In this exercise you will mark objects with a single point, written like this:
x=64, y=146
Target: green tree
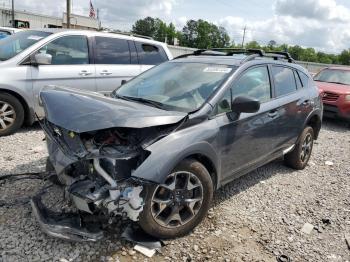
x=202, y=34
x=146, y=27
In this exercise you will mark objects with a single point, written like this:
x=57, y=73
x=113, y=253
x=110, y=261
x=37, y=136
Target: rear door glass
x=111, y=51
x=150, y=54
x=284, y=80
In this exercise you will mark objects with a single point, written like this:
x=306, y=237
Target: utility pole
x=68, y=12
x=244, y=31
x=13, y=13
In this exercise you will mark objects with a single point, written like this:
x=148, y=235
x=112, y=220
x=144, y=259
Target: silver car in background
x=7, y=31
x=33, y=59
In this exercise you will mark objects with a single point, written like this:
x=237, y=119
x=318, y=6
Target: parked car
x=334, y=86
x=7, y=31
x=88, y=60
x=157, y=149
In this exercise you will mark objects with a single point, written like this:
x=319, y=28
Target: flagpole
x=68, y=12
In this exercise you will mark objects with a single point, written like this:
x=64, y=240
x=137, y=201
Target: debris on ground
x=145, y=251
x=329, y=163
x=307, y=228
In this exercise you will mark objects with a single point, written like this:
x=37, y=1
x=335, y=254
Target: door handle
x=105, y=73
x=85, y=73
x=273, y=114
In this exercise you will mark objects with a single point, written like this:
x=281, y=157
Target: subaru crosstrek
x=157, y=149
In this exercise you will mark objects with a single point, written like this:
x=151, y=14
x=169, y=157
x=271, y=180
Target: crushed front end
x=95, y=169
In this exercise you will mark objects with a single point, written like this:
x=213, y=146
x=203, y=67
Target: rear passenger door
x=150, y=55
x=115, y=61
x=293, y=104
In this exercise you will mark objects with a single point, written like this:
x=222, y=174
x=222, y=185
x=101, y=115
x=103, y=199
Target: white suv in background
x=87, y=60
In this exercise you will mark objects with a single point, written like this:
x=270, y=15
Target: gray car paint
x=91, y=111
x=201, y=134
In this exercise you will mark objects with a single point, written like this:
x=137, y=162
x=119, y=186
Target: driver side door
x=245, y=140
x=70, y=67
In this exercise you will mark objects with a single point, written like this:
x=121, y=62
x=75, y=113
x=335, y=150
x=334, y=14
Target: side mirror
x=42, y=59
x=244, y=104
x=123, y=82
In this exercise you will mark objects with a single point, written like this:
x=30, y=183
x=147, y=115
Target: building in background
x=24, y=19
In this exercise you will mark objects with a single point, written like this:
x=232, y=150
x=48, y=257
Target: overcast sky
x=322, y=24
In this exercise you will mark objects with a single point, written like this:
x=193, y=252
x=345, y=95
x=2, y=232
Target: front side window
x=284, y=80
x=68, y=50
x=175, y=85
x=111, y=51
x=17, y=43
x=150, y=54
x=254, y=83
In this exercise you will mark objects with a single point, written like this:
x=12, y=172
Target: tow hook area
x=66, y=226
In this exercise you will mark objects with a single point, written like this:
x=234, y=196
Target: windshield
x=334, y=76
x=15, y=44
x=175, y=85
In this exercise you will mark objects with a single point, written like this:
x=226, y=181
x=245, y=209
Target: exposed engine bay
x=98, y=177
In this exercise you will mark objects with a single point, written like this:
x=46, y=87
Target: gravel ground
x=255, y=218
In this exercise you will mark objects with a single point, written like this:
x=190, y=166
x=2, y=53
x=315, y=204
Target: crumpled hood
x=81, y=111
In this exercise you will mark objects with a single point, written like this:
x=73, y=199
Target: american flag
x=92, y=11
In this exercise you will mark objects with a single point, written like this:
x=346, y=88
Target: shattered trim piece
x=60, y=226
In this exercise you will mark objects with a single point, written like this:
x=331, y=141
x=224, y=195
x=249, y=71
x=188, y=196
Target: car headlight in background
x=347, y=98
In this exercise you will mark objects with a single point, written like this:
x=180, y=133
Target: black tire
x=152, y=227
x=295, y=158
x=18, y=115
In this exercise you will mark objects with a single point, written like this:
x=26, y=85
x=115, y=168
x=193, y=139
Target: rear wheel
x=11, y=114
x=174, y=208
x=301, y=154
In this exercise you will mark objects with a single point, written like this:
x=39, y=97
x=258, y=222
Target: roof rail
x=252, y=53
x=128, y=34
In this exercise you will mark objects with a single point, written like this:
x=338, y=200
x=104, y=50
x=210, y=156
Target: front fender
x=169, y=151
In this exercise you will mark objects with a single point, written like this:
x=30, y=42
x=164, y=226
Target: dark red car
x=334, y=86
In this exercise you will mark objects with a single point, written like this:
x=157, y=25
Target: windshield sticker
x=223, y=70
x=34, y=37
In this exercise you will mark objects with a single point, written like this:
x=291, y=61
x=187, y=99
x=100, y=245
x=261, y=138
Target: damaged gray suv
x=157, y=149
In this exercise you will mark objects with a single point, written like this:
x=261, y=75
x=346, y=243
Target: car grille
x=330, y=97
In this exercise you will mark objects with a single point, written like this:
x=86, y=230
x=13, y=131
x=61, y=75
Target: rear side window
x=304, y=79
x=254, y=83
x=150, y=54
x=111, y=51
x=284, y=80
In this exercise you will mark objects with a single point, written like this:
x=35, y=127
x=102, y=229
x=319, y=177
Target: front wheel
x=174, y=208
x=301, y=154
x=11, y=114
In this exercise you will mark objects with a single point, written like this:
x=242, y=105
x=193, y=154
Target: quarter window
x=150, y=54
x=111, y=51
x=68, y=50
x=304, y=79
x=284, y=80
x=254, y=83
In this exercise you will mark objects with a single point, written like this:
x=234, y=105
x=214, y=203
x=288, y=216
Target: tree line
x=203, y=34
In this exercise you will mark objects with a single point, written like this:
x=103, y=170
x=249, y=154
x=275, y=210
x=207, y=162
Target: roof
x=98, y=33
x=219, y=60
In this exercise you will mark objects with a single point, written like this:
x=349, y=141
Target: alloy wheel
x=306, y=148
x=7, y=115
x=178, y=200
